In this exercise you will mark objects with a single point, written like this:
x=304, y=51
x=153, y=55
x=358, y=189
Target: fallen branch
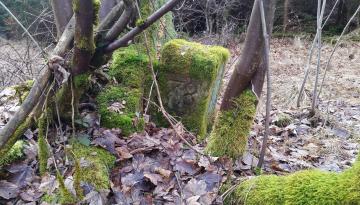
x=124, y=40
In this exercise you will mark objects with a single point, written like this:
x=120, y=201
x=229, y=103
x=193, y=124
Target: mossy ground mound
x=187, y=78
x=99, y=163
x=301, y=188
x=120, y=104
x=229, y=135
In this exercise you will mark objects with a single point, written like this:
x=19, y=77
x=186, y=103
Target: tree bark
x=105, y=7
x=251, y=60
x=121, y=23
x=124, y=40
x=62, y=12
x=84, y=46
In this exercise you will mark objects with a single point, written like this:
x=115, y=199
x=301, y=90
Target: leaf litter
x=156, y=167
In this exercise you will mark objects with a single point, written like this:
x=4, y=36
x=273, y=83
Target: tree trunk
x=238, y=108
x=286, y=15
x=62, y=12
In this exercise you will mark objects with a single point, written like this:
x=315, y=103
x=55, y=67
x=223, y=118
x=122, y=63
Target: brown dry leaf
x=165, y=173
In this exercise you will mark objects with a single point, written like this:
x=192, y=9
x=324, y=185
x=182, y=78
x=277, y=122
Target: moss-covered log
x=189, y=77
x=230, y=132
x=301, y=188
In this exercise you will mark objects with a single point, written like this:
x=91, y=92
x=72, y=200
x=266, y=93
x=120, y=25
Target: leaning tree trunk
x=229, y=135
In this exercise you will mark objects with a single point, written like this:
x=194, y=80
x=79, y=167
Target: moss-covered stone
x=231, y=129
x=301, y=188
x=120, y=108
x=129, y=67
x=190, y=77
x=97, y=172
x=14, y=154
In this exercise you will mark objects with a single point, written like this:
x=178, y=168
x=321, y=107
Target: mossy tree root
x=300, y=188
x=232, y=127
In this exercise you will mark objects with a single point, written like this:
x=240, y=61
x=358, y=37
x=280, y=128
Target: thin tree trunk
x=286, y=15
x=250, y=61
x=84, y=46
x=62, y=12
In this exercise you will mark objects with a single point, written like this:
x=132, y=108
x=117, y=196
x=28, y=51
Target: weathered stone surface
x=190, y=77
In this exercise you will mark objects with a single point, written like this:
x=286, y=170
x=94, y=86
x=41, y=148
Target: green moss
x=129, y=67
x=51, y=199
x=65, y=196
x=97, y=173
x=77, y=179
x=201, y=64
x=139, y=22
x=7, y=149
x=301, y=188
x=230, y=132
x=81, y=81
x=96, y=7
x=126, y=119
x=14, y=154
x=198, y=61
x=86, y=44
x=22, y=90
x=43, y=150
x=283, y=120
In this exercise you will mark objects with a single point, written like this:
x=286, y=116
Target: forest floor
x=156, y=167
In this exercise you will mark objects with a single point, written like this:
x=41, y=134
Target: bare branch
x=123, y=41
x=62, y=12
x=120, y=24
x=268, y=78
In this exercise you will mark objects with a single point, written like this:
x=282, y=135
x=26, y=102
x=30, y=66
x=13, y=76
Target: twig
x=319, y=30
x=336, y=46
x=311, y=51
x=268, y=82
x=72, y=107
x=23, y=27
x=149, y=97
x=180, y=187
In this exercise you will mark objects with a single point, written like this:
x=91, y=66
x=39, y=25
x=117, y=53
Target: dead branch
x=124, y=40
x=62, y=13
x=110, y=19
x=120, y=24
x=336, y=46
x=268, y=78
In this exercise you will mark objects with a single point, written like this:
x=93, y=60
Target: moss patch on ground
x=129, y=67
x=15, y=153
x=230, y=132
x=119, y=108
x=99, y=163
x=301, y=188
x=182, y=60
x=120, y=104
